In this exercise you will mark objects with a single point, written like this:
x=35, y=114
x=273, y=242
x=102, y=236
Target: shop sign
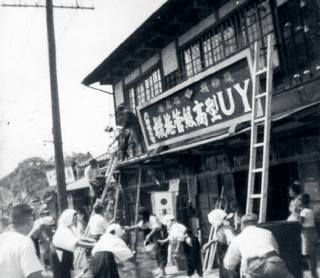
x=52, y=177
x=221, y=98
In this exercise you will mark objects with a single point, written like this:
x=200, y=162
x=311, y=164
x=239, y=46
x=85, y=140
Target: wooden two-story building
x=186, y=73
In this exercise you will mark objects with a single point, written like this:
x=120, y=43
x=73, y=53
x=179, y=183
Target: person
x=131, y=123
x=192, y=253
x=188, y=242
x=175, y=237
x=123, y=140
x=92, y=173
x=256, y=250
x=294, y=192
x=98, y=224
x=65, y=241
x=111, y=257
x=18, y=257
x=42, y=234
x=238, y=213
x=157, y=231
x=223, y=235
x=75, y=169
x=309, y=235
x=82, y=221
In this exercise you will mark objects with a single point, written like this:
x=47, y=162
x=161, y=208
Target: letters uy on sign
x=215, y=99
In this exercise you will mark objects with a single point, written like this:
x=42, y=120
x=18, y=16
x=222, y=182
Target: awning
x=103, y=157
x=81, y=183
x=230, y=133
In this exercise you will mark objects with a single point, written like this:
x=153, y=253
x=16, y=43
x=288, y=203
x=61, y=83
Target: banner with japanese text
x=216, y=101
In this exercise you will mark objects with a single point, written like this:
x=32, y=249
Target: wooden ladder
x=257, y=119
x=110, y=170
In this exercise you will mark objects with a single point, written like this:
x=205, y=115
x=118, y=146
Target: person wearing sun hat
x=111, y=257
x=256, y=250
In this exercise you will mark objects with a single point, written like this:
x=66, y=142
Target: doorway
x=278, y=198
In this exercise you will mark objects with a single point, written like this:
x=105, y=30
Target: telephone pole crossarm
x=44, y=6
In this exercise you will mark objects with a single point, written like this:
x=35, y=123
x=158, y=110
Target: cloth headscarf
x=167, y=219
x=116, y=230
x=66, y=218
x=177, y=231
x=114, y=244
x=217, y=217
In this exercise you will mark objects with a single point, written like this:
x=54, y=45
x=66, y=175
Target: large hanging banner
x=163, y=203
x=212, y=100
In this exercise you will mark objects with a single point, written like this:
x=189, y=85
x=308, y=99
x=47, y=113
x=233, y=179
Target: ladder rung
x=260, y=120
x=261, y=71
x=255, y=196
x=257, y=170
x=261, y=95
x=257, y=145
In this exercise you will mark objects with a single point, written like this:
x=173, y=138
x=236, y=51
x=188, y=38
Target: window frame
x=141, y=90
x=239, y=35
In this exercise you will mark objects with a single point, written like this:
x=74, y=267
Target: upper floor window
x=299, y=24
x=132, y=100
x=239, y=31
x=145, y=89
x=192, y=59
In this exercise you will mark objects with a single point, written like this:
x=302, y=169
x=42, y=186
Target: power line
x=56, y=130
x=36, y=5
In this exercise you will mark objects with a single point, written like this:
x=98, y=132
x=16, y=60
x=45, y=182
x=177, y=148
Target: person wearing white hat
x=111, y=257
x=223, y=235
x=256, y=251
x=41, y=235
x=189, y=243
x=65, y=241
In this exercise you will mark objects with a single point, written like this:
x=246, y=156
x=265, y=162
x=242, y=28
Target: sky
x=84, y=38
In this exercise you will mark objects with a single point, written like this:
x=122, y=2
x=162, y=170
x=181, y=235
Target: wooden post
x=137, y=209
x=59, y=163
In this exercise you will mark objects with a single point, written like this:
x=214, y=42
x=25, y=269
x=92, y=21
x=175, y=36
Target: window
x=132, y=100
x=239, y=31
x=192, y=59
x=145, y=89
x=300, y=32
x=212, y=48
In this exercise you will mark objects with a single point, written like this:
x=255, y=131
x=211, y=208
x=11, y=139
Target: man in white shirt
x=18, y=257
x=98, y=224
x=256, y=250
x=92, y=173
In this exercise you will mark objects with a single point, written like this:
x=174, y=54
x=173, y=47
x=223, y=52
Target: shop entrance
x=278, y=198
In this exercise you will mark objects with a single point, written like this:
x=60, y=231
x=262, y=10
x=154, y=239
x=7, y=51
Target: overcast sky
x=84, y=38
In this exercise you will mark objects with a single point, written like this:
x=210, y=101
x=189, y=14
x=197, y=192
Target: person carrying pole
x=223, y=235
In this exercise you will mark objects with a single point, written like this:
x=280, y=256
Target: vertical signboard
x=52, y=178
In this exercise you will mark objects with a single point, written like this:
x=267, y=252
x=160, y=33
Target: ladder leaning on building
x=110, y=170
x=260, y=174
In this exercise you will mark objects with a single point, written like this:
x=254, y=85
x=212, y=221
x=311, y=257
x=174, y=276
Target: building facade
x=186, y=73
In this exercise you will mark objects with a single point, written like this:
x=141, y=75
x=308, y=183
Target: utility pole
x=56, y=129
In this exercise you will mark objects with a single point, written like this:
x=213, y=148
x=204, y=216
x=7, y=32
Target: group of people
x=300, y=211
x=250, y=252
